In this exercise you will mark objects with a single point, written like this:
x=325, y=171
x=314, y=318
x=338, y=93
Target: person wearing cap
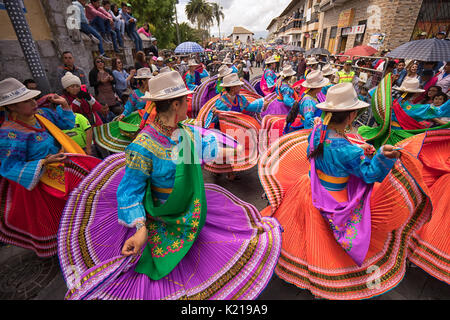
x=167, y=222
x=80, y=100
x=230, y=64
x=286, y=95
x=153, y=47
x=160, y=63
x=314, y=83
x=35, y=182
x=409, y=116
x=192, y=77
x=135, y=102
x=269, y=78
x=311, y=65
x=441, y=35
x=338, y=216
x=347, y=74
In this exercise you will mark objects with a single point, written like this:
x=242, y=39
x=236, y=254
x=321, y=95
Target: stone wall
x=12, y=63
x=397, y=20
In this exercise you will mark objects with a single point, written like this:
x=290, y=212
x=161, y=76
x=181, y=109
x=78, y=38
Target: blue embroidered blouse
x=271, y=78
x=240, y=104
x=421, y=112
x=149, y=160
x=309, y=111
x=191, y=81
x=22, y=149
x=134, y=102
x=341, y=159
x=285, y=91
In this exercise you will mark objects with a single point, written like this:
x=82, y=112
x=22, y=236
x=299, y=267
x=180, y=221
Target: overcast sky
x=255, y=15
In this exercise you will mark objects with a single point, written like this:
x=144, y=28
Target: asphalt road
x=23, y=276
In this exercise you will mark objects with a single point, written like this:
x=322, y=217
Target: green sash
x=382, y=112
x=175, y=225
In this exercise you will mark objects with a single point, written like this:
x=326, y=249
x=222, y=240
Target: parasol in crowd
x=188, y=47
x=294, y=48
x=423, y=50
x=317, y=51
x=364, y=51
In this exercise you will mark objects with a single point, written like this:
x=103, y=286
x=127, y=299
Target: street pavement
x=24, y=276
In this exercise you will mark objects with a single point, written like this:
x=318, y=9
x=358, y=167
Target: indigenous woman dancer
x=348, y=221
x=39, y=167
x=168, y=235
x=401, y=119
x=286, y=95
x=314, y=83
x=234, y=115
x=193, y=78
x=115, y=136
x=269, y=78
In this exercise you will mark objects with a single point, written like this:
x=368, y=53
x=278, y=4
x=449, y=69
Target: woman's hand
x=58, y=100
x=368, y=149
x=390, y=152
x=134, y=244
x=51, y=158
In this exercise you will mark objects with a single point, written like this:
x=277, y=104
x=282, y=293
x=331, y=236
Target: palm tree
x=218, y=14
x=199, y=12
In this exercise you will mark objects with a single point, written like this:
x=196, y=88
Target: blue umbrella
x=423, y=50
x=188, y=47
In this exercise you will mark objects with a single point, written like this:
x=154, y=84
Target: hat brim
x=311, y=63
x=149, y=97
x=30, y=94
x=293, y=73
x=324, y=106
x=234, y=84
x=408, y=90
x=229, y=71
x=321, y=84
x=144, y=77
x=333, y=71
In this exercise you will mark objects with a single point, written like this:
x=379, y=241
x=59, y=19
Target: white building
x=241, y=34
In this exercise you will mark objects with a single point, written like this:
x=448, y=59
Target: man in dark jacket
x=301, y=67
x=153, y=48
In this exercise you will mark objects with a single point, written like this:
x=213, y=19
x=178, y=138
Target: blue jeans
x=103, y=26
x=119, y=36
x=89, y=30
x=131, y=31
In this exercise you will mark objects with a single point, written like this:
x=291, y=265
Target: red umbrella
x=359, y=51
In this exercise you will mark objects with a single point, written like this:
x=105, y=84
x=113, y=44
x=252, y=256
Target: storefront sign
x=346, y=18
x=354, y=30
x=376, y=40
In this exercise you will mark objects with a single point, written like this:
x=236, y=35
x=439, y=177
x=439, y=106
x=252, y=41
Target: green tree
x=218, y=14
x=189, y=34
x=159, y=13
x=200, y=12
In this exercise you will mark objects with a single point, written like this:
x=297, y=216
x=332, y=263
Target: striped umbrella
x=423, y=50
x=188, y=47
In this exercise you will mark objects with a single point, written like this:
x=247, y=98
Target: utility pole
x=23, y=33
x=176, y=20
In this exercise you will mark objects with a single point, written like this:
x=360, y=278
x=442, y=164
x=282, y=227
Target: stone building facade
x=48, y=23
x=338, y=25
x=380, y=23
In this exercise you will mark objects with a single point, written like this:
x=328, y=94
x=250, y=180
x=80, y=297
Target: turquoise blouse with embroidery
x=22, y=149
x=342, y=159
x=271, y=78
x=421, y=112
x=224, y=104
x=134, y=102
x=149, y=160
x=190, y=79
x=309, y=111
x=287, y=93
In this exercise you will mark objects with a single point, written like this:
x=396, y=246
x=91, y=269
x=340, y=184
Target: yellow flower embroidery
x=158, y=251
x=195, y=223
x=175, y=244
x=156, y=238
x=191, y=236
x=152, y=226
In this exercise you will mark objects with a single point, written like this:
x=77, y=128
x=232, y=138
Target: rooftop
x=241, y=30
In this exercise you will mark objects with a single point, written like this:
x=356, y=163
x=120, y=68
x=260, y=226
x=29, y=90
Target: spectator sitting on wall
x=69, y=66
x=86, y=28
x=116, y=26
x=119, y=22
x=130, y=26
x=144, y=32
x=102, y=22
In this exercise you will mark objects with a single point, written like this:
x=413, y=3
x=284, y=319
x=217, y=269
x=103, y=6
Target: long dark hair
x=336, y=118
